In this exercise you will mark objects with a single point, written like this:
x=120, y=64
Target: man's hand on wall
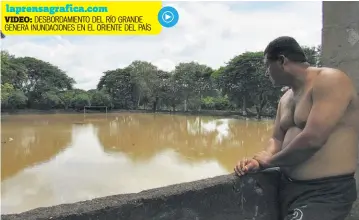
x=246, y=165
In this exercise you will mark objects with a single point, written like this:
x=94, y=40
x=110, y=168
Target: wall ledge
x=222, y=197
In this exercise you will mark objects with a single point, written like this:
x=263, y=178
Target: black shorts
x=328, y=198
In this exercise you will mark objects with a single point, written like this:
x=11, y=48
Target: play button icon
x=168, y=16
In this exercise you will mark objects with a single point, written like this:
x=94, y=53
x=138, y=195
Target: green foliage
x=49, y=100
x=239, y=85
x=6, y=90
x=100, y=98
x=80, y=100
x=12, y=72
x=118, y=84
x=12, y=98
x=313, y=55
x=17, y=100
x=216, y=103
x=35, y=82
x=66, y=98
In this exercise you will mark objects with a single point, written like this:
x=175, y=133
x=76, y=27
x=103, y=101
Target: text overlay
x=80, y=18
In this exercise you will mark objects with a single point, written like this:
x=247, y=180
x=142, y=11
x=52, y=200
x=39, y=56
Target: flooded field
x=52, y=159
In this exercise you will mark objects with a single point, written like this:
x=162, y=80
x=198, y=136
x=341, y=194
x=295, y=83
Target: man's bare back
x=339, y=154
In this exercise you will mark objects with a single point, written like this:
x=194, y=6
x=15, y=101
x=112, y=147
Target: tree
x=12, y=72
x=42, y=77
x=171, y=93
x=12, y=98
x=17, y=100
x=313, y=55
x=6, y=90
x=234, y=80
x=244, y=82
x=160, y=87
x=238, y=85
x=143, y=79
x=80, y=99
x=100, y=98
x=49, y=100
x=117, y=83
x=194, y=80
x=66, y=98
x=38, y=80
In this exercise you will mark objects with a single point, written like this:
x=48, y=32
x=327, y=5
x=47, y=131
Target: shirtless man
x=315, y=138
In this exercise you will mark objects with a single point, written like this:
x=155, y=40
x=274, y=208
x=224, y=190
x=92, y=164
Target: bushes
x=216, y=103
x=12, y=98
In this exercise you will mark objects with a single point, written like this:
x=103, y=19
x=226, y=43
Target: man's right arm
x=274, y=146
x=275, y=142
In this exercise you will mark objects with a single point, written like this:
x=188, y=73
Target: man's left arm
x=331, y=95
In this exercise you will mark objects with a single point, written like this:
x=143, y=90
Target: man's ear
x=283, y=61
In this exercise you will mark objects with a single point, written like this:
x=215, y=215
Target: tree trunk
x=259, y=112
x=200, y=101
x=244, y=105
x=260, y=105
x=155, y=105
x=138, y=101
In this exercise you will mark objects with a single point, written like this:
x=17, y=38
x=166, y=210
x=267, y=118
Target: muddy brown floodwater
x=53, y=159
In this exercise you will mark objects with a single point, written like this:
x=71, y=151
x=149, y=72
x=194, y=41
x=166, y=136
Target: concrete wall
x=340, y=45
x=251, y=197
x=224, y=197
x=340, y=37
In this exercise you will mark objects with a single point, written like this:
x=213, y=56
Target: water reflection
x=195, y=138
x=79, y=159
x=26, y=142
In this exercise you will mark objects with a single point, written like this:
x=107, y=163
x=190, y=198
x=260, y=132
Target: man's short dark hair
x=286, y=46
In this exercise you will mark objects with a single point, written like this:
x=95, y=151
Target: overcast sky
x=207, y=32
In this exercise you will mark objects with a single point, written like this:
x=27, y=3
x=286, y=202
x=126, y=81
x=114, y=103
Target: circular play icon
x=168, y=16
